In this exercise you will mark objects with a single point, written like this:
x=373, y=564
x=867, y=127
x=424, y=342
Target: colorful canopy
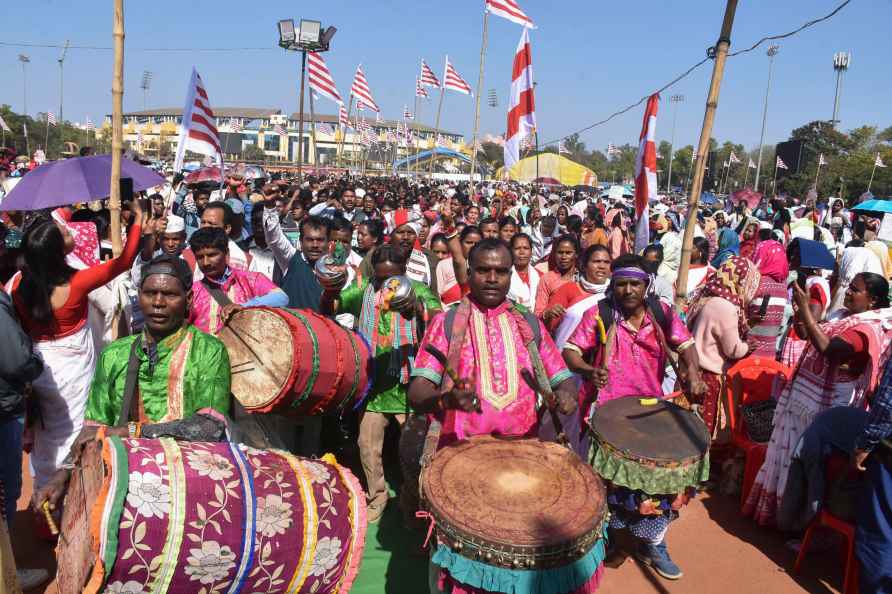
x=561, y=169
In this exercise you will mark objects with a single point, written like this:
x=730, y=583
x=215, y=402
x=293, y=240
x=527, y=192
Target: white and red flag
x=751, y=165
x=732, y=158
x=779, y=164
x=278, y=129
x=343, y=120
x=452, y=80
x=508, y=9
x=821, y=160
x=428, y=78
x=361, y=91
x=50, y=118
x=89, y=124
x=646, y=173
x=320, y=78
x=235, y=125
x=199, y=128
x=4, y=126
x=522, y=103
x=420, y=91
x=878, y=162
x=408, y=115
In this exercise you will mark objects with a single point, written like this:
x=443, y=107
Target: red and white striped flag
x=779, y=164
x=50, y=118
x=522, y=103
x=4, y=126
x=361, y=91
x=360, y=106
x=732, y=158
x=343, y=120
x=89, y=125
x=878, y=162
x=199, y=129
x=428, y=78
x=562, y=148
x=646, y=173
x=509, y=9
x=390, y=135
x=325, y=129
x=407, y=114
x=751, y=165
x=420, y=91
x=441, y=141
x=320, y=78
x=235, y=125
x=452, y=80
x=278, y=129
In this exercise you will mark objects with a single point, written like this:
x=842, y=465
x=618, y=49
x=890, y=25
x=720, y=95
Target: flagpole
x=747, y=175
x=872, y=173
x=418, y=123
x=477, y=99
x=114, y=195
x=774, y=183
x=46, y=139
x=313, y=130
x=344, y=130
x=430, y=169
x=300, y=130
x=817, y=173
x=712, y=101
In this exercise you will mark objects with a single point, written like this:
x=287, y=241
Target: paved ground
x=719, y=551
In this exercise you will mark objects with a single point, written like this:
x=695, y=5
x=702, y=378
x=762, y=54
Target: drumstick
x=550, y=404
x=441, y=358
x=54, y=529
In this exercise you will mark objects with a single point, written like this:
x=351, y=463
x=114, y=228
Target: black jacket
x=18, y=363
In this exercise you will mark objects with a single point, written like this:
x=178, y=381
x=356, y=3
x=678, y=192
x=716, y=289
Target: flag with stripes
x=420, y=91
x=360, y=106
x=821, y=160
x=452, y=80
x=361, y=91
x=522, y=103
x=343, y=120
x=611, y=149
x=732, y=158
x=378, y=117
x=428, y=78
x=325, y=129
x=391, y=136
x=4, y=126
x=320, y=77
x=878, y=162
x=779, y=164
x=508, y=9
x=278, y=129
x=751, y=165
x=407, y=114
x=89, y=125
x=50, y=118
x=199, y=129
x=139, y=138
x=646, y=173
x=235, y=125
x=562, y=148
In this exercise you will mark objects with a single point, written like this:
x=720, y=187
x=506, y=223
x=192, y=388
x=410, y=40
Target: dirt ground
x=719, y=551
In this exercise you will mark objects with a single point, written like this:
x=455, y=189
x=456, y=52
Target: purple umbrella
x=79, y=179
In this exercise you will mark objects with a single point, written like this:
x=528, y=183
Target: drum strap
x=130, y=382
x=217, y=293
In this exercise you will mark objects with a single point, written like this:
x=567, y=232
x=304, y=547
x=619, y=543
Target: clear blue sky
x=589, y=58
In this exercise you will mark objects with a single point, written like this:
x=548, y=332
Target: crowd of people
x=518, y=277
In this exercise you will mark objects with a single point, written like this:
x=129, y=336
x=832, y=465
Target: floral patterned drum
x=211, y=518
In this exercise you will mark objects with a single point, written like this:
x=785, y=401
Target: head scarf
x=882, y=252
x=729, y=245
x=736, y=280
x=771, y=258
x=86, y=240
x=748, y=246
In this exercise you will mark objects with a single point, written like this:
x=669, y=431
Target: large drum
x=516, y=515
x=295, y=362
x=650, y=445
x=165, y=516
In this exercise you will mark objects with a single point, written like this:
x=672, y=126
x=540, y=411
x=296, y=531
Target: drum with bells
x=158, y=515
x=652, y=450
x=295, y=362
x=515, y=515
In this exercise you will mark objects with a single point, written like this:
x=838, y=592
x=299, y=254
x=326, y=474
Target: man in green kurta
x=181, y=370
x=394, y=333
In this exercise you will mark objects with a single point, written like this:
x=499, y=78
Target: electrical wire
x=687, y=72
x=140, y=49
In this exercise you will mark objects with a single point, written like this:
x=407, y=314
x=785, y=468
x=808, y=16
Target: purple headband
x=631, y=272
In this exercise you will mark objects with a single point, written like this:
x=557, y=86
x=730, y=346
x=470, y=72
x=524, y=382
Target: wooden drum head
x=520, y=496
x=263, y=355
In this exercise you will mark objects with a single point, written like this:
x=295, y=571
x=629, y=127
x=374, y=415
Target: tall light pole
x=25, y=60
x=772, y=51
x=144, y=85
x=673, y=99
x=62, y=77
x=841, y=63
x=309, y=37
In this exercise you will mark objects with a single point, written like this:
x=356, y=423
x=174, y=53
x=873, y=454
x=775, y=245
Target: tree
x=681, y=166
x=493, y=154
x=252, y=152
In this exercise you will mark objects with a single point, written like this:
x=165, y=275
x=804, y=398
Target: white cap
x=450, y=192
x=175, y=224
x=360, y=193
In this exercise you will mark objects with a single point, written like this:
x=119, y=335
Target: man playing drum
x=393, y=327
x=489, y=341
x=179, y=369
x=630, y=360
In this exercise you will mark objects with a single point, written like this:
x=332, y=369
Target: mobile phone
x=126, y=186
x=800, y=280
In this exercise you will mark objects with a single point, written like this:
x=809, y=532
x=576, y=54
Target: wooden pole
x=344, y=131
x=712, y=101
x=477, y=99
x=817, y=173
x=114, y=195
x=774, y=182
x=869, y=183
x=313, y=131
x=430, y=168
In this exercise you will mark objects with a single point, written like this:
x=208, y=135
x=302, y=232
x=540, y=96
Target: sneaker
x=31, y=578
x=657, y=557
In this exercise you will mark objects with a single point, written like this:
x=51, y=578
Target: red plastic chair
x=837, y=467
x=749, y=381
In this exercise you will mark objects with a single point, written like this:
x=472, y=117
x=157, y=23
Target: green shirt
x=387, y=395
x=191, y=372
